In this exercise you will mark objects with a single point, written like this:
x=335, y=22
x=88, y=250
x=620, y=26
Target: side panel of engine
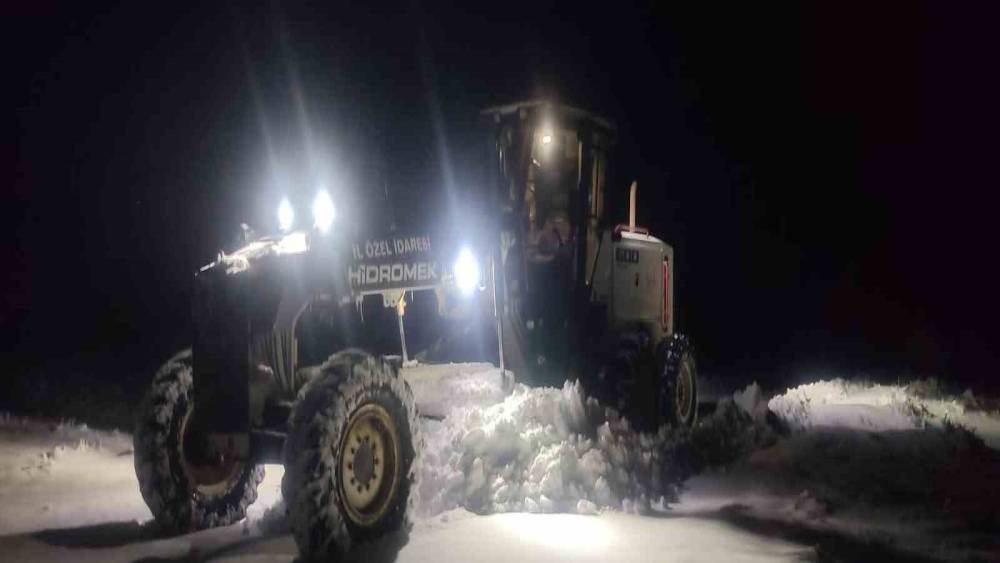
x=641, y=284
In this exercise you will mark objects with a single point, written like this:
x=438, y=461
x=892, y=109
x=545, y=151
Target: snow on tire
x=350, y=471
x=679, y=382
x=177, y=504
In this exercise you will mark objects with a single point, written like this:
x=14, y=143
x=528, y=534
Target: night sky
x=827, y=174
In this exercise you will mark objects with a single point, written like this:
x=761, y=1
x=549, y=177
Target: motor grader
x=567, y=293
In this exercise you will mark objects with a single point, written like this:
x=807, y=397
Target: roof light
x=323, y=211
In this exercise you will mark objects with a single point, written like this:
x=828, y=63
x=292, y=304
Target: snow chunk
x=437, y=389
x=752, y=402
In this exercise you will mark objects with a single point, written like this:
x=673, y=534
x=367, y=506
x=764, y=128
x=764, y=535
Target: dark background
x=827, y=174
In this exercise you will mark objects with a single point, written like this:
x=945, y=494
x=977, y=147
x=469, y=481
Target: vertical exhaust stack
x=633, y=193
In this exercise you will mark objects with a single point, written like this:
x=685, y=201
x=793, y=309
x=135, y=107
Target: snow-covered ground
x=51, y=474
x=873, y=407
x=887, y=465
x=854, y=471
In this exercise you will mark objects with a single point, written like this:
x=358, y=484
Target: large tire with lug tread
x=626, y=372
x=628, y=380
x=350, y=471
x=179, y=504
x=679, y=382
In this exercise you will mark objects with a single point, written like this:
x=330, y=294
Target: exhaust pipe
x=633, y=193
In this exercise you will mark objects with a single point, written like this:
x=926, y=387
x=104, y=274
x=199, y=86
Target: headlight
x=466, y=270
x=286, y=215
x=323, y=211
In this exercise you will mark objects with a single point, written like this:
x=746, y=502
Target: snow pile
x=437, y=389
x=556, y=450
x=541, y=450
x=849, y=404
x=738, y=426
x=868, y=406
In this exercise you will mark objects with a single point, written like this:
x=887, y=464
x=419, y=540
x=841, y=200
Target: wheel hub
x=209, y=471
x=364, y=463
x=363, y=469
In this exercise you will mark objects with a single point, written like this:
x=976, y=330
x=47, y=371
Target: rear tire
x=350, y=475
x=177, y=503
x=679, y=382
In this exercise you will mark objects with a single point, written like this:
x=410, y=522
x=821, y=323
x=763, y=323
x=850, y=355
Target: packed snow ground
x=50, y=474
x=855, y=471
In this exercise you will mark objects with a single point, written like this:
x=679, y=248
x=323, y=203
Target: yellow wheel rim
x=368, y=466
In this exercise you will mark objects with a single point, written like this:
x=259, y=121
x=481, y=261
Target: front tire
x=350, y=475
x=177, y=503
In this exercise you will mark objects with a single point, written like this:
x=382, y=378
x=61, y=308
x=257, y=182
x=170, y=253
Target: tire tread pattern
x=674, y=349
x=347, y=380
x=174, y=503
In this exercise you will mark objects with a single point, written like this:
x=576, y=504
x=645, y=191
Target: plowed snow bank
x=873, y=407
x=541, y=450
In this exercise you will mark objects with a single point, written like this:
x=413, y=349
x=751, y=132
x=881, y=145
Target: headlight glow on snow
x=569, y=533
x=323, y=211
x=466, y=270
x=286, y=215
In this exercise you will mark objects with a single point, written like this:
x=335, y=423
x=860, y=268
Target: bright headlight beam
x=286, y=215
x=323, y=211
x=466, y=270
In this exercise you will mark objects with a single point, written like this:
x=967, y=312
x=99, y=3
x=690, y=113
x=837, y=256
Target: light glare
x=293, y=243
x=323, y=211
x=286, y=215
x=466, y=271
x=546, y=139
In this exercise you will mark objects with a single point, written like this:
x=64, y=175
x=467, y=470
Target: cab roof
x=536, y=109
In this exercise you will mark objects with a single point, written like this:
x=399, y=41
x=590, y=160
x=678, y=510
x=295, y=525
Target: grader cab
x=582, y=296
